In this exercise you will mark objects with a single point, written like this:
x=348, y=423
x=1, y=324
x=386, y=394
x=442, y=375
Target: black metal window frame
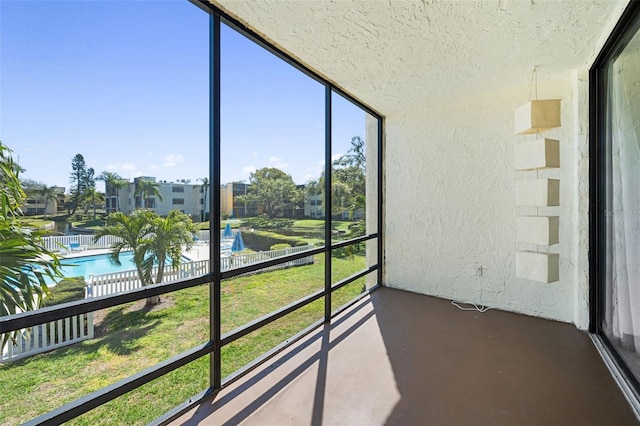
x=622, y=33
x=214, y=278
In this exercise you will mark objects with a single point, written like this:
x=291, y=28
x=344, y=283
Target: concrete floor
x=399, y=358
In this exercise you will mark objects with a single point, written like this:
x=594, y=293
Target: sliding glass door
x=617, y=184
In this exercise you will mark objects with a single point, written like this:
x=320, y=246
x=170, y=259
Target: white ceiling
x=399, y=55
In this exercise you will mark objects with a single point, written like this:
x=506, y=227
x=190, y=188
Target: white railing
x=204, y=235
x=48, y=336
x=70, y=242
x=117, y=282
x=51, y=335
x=238, y=261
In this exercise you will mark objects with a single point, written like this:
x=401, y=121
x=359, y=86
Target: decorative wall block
x=538, y=192
x=543, y=267
x=539, y=154
x=541, y=230
x=537, y=116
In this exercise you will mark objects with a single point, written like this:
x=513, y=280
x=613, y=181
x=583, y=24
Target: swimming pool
x=97, y=264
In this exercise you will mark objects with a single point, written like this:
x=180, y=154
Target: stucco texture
x=461, y=213
x=447, y=76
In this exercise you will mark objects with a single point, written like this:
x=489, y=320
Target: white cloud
x=278, y=163
x=154, y=167
x=172, y=160
x=335, y=157
x=249, y=169
x=254, y=153
x=118, y=167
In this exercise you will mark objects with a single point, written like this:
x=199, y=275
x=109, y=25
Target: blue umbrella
x=238, y=244
x=228, y=233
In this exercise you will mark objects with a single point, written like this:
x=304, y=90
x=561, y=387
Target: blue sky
x=125, y=83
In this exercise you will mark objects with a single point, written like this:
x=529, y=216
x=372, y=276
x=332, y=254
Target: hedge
x=67, y=290
x=263, y=240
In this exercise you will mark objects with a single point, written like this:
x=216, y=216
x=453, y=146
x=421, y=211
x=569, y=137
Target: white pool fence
x=45, y=337
x=48, y=336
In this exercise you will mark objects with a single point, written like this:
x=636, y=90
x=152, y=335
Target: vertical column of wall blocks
x=532, y=118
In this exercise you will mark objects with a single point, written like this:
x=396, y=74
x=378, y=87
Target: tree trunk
x=152, y=301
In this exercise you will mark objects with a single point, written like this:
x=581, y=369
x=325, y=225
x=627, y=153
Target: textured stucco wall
x=447, y=76
x=450, y=202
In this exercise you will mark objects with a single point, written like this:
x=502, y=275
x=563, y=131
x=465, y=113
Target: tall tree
x=355, y=157
x=348, y=181
x=147, y=189
x=25, y=260
x=271, y=189
x=82, y=177
x=205, y=189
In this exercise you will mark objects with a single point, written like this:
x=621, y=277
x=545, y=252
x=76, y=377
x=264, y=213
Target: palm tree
x=25, y=261
x=112, y=181
x=152, y=239
x=170, y=235
x=91, y=197
x=205, y=189
x=133, y=232
x=48, y=193
x=118, y=184
x=146, y=189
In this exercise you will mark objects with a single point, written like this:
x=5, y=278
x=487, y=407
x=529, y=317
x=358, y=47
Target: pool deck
x=81, y=253
x=197, y=252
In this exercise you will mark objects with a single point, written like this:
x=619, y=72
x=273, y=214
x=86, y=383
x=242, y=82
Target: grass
x=91, y=223
x=205, y=225
x=131, y=337
x=36, y=223
x=316, y=224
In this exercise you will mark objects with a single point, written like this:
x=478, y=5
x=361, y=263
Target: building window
x=177, y=189
x=178, y=201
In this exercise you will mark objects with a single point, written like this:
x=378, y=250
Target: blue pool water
x=97, y=264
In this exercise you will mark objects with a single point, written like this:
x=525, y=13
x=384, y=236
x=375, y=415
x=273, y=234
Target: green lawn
x=90, y=223
x=319, y=224
x=223, y=223
x=36, y=223
x=130, y=338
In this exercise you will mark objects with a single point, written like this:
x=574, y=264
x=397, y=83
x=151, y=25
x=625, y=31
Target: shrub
x=263, y=240
x=67, y=290
x=265, y=222
x=280, y=246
